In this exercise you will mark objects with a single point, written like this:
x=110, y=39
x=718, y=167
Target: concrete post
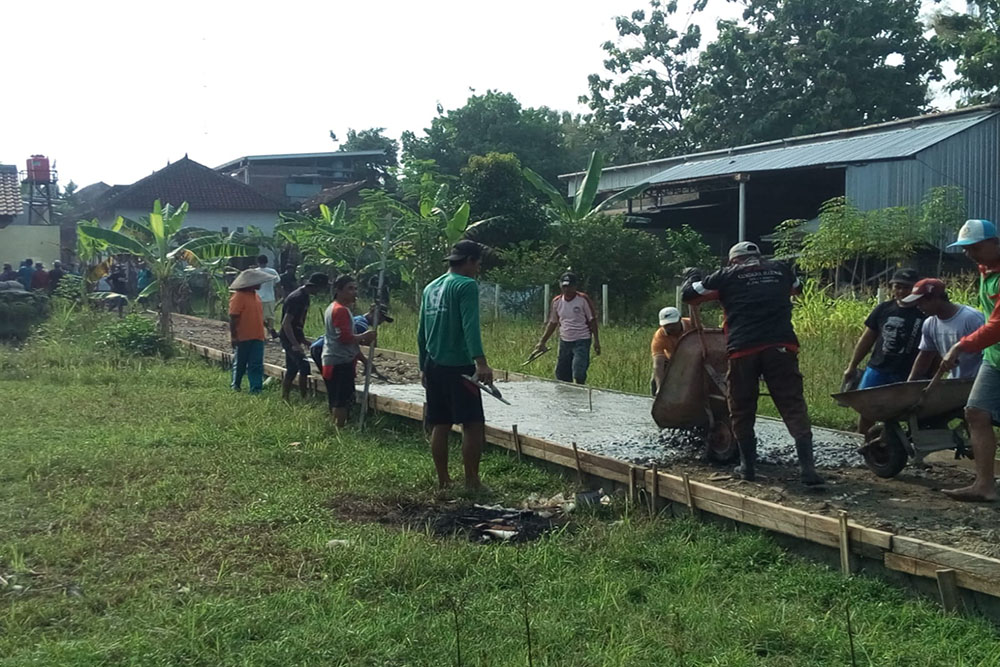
x=604, y=304
x=743, y=210
x=545, y=303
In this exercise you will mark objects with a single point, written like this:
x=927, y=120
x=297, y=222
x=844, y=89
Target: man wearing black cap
x=892, y=335
x=573, y=313
x=450, y=346
x=293, y=336
x=756, y=298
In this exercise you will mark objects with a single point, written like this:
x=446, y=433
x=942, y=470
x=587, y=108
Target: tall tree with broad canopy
x=973, y=41
x=492, y=122
x=647, y=90
x=796, y=67
x=374, y=139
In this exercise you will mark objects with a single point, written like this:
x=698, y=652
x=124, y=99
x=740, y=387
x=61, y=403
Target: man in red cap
x=946, y=324
x=978, y=239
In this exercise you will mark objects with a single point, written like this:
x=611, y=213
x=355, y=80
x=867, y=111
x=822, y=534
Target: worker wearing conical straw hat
x=246, y=329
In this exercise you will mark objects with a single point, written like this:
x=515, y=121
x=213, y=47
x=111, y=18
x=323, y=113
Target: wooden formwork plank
x=948, y=557
x=923, y=568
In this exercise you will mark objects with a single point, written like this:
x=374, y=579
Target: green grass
x=152, y=517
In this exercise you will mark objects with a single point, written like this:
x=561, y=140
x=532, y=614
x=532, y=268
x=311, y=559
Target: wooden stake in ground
x=369, y=362
x=845, y=545
x=688, y=496
x=579, y=470
x=948, y=588
x=654, y=497
x=517, y=442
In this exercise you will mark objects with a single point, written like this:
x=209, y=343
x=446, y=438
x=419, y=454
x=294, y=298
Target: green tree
x=647, y=91
x=795, y=67
x=492, y=122
x=379, y=169
x=973, y=41
x=495, y=188
x=159, y=240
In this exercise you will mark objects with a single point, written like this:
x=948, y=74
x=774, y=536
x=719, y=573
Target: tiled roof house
x=10, y=194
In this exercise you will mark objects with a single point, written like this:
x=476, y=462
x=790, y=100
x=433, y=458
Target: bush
x=136, y=335
x=20, y=311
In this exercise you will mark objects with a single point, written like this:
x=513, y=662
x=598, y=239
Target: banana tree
x=582, y=205
x=160, y=242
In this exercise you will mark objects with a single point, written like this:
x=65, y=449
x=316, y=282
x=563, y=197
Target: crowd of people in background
x=32, y=275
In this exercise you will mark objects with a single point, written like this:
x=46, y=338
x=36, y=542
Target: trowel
x=488, y=388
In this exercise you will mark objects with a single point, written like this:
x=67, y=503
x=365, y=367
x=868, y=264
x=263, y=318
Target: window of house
x=239, y=230
x=225, y=230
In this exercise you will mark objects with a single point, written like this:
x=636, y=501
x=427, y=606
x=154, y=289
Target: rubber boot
x=807, y=467
x=748, y=459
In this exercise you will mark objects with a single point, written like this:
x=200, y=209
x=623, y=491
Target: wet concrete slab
x=620, y=426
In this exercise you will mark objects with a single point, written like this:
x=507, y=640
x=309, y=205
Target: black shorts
x=451, y=399
x=340, y=386
x=296, y=363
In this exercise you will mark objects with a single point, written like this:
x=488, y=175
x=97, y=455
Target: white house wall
x=216, y=220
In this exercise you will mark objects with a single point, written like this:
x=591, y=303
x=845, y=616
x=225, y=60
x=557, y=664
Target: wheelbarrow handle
x=938, y=375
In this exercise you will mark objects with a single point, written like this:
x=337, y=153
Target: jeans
x=248, y=359
x=574, y=360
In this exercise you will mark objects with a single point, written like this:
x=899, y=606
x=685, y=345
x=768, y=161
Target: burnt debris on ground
x=478, y=523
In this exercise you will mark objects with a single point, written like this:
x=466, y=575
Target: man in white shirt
x=573, y=313
x=946, y=324
x=266, y=295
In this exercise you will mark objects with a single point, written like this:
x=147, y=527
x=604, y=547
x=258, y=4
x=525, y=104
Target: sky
x=113, y=90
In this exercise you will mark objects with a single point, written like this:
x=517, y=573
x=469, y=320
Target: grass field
x=148, y=516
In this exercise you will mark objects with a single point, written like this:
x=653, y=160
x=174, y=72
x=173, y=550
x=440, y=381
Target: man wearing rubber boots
x=978, y=239
x=756, y=297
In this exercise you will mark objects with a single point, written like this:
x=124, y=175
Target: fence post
x=677, y=297
x=604, y=304
x=496, y=301
x=545, y=304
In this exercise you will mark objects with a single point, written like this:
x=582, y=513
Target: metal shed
x=743, y=192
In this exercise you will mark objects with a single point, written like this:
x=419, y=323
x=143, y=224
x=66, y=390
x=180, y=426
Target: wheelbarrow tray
x=893, y=401
x=687, y=391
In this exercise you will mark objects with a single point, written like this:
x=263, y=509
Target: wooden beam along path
x=896, y=552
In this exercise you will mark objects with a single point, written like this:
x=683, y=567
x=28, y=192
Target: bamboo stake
x=517, y=442
x=845, y=545
x=631, y=484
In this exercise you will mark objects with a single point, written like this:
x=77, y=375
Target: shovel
x=489, y=389
x=714, y=375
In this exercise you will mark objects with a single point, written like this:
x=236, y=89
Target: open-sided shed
x=744, y=192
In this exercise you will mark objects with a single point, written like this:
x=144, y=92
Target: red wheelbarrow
x=693, y=393
x=912, y=419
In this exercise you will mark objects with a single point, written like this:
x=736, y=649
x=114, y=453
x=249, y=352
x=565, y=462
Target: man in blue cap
x=978, y=239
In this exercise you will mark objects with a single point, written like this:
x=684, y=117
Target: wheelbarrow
x=912, y=419
x=693, y=393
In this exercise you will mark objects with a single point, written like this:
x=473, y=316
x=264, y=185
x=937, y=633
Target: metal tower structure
x=41, y=180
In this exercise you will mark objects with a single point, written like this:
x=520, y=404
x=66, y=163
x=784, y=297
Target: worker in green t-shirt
x=450, y=346
x=978, y=239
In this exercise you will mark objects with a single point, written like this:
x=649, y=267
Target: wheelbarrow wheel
x=720, y=445
x=885, y=449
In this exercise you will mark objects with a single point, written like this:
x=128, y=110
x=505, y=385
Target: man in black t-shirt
x=287, y=281
x=892, y=335
x=293, y=336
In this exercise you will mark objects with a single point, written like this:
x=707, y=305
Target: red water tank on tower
x=38, y=169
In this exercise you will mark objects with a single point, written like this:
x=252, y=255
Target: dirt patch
x=215, y=334
x=478, y=523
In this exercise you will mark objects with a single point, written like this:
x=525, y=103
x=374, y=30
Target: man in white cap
x=672, y=326
x=978, y=239
x=756, y=298
x=573, y=313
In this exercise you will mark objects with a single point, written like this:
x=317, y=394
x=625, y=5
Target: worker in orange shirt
x=246, y=329
x=672, y=327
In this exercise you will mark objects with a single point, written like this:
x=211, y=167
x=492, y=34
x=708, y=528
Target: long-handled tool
x=537, y=352
x=488, y=388
x=716, y=377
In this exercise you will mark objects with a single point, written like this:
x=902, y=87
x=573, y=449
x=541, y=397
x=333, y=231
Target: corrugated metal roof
x=879, y=144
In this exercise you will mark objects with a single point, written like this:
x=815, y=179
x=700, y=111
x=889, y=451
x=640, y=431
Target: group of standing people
x=34, y=276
